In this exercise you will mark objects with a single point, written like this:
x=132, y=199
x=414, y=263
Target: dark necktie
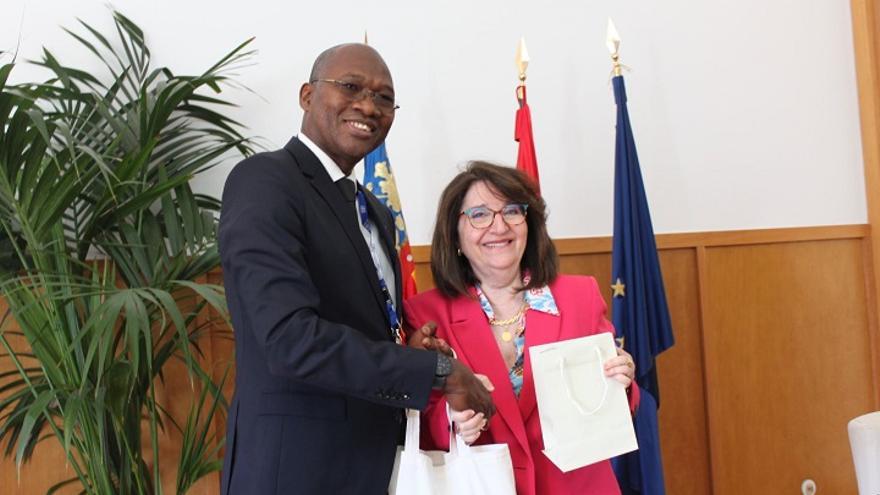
x=347, y=188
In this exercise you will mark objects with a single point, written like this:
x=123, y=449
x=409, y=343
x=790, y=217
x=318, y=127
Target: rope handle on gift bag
x=413, y=432
x=457, y=445
x=570, y=394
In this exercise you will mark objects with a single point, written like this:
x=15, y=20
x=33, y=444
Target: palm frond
x=90, y=164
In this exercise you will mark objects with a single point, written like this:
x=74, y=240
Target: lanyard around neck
x=396, y=330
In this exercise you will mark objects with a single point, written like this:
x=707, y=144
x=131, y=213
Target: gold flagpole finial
x=522, y=60
x=612, y=41
x=366, y=41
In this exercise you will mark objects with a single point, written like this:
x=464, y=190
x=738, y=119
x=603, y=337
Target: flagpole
x=612, y=40
x=522, y=63
x=526, y=159
x=638, y=309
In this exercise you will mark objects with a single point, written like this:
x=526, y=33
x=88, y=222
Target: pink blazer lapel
x=541, y=328
x=471, y=336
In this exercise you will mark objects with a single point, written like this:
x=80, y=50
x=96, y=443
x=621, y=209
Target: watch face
x=444, y=365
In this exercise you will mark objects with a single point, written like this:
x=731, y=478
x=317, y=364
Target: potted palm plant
x=106, y=252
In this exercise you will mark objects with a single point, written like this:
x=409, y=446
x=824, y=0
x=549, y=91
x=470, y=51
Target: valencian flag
x=525, y=159
x=638, y=305
x=379, y=180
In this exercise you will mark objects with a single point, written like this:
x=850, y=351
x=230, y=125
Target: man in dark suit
x=312, y=282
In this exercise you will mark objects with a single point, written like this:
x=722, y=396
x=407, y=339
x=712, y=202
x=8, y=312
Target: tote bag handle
x=457, y=445
x=571, y=396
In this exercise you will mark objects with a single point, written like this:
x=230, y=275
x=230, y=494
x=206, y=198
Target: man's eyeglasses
x=481, y=217
x=357, y=92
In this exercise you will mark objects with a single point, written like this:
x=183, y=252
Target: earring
x=458, y=251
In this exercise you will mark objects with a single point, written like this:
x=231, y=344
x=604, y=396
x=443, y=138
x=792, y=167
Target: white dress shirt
x=371, y=237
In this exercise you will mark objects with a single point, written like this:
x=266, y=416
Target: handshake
x=464, y=390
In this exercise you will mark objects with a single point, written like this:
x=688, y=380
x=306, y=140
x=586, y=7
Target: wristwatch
x=443, y=369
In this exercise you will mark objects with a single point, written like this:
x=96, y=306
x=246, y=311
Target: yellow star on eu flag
x=619, y=288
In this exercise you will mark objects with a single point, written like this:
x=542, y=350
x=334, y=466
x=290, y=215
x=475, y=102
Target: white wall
x=745, y=111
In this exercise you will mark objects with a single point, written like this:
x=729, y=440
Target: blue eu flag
x=638, y=305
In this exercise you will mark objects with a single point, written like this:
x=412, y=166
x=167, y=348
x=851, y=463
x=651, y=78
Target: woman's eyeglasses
x=481, y=217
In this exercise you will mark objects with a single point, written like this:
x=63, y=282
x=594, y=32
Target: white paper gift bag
x=585, y=416
x=464, y=470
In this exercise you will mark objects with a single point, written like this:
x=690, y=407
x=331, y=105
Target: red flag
x=525, y=160
x=408, y=271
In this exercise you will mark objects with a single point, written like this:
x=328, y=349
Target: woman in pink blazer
x=498, y=293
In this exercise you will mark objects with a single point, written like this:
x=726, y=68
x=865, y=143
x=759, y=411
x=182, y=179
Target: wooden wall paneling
x=761, y=236
x=871, y=307
x=597, y=265
x=866, y=43
x=422, y=258
x=48, y=467
x=700, y=252
x=684, y=437
x=788, y=364
x=49, y=464
x=424, y=280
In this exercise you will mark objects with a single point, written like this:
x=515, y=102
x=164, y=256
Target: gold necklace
x=506, y=336
x=518, y=318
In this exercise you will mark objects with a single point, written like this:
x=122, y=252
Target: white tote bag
x=464, y=470
x=585, y=415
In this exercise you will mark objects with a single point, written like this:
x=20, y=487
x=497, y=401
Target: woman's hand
x=622, y=368
x=469, y=425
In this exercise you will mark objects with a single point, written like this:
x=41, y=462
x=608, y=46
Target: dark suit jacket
x=319, y=381
x=462, y=322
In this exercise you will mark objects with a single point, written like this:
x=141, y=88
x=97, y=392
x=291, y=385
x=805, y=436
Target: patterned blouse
x=539, y=299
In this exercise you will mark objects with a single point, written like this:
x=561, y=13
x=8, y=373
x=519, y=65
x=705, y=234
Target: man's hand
x=424, y=338
x=465, y=391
